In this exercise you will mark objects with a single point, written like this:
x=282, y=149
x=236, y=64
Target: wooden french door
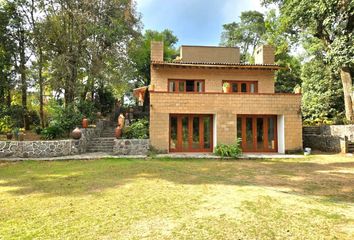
x=191, y=133
x=258, y=133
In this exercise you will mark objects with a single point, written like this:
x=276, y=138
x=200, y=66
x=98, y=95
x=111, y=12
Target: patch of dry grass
x=309, y=198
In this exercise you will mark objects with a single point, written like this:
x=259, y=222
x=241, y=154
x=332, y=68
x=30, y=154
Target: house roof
x=218, y=65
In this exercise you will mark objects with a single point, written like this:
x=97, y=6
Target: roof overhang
x=218, y=65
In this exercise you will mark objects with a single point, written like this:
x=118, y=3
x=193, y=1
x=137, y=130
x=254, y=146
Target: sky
x=194, y=22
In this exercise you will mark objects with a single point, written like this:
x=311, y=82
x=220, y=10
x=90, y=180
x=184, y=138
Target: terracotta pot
x=121, y=119
x=21, y=136
x=9, y=136
x=118, y=132
x=85, y=123
x=76, y=134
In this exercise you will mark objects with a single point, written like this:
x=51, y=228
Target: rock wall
x=131, y=146
x=333, y=138
x=35, y=149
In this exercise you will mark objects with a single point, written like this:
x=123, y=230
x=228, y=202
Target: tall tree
x=140, y=55
x=332, y=22
x=247, y=33
x=255, y=29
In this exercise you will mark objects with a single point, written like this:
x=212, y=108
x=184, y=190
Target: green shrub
x=53, y=131
x=231, y=150
x=5, y=124
x=87, y=109
x=137, y=130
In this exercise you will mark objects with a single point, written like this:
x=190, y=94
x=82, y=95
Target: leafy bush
x=53, y=131
x=231, y=150
x=5, y=124
x=138, y=130
x=87, y=109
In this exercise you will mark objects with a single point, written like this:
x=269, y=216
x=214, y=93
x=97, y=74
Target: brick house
x=193, y=110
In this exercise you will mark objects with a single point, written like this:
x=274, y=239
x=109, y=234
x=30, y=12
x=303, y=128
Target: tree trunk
x=347, y=89
x=23, y=79
x=40, y=78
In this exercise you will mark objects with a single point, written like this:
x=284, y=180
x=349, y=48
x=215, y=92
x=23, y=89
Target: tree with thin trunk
x=332, y=22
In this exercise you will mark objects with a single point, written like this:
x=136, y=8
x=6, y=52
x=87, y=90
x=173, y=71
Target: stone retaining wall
x=56, y=148
x=131, y=146
x=333, y=138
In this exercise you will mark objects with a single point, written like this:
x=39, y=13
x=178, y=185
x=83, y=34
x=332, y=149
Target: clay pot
x=85, y=123
x=118, y=132
x=99, y=114
x=9, y=136
x=76, y=134
x=121, y=119
x=21, y=136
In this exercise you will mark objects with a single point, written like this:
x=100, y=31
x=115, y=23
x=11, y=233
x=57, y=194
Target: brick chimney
x=156, y=51
x=264, y=55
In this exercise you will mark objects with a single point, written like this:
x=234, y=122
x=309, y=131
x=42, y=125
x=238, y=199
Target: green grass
x=310, y=198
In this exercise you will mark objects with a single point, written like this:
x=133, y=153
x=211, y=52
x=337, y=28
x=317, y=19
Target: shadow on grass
x=334, y=181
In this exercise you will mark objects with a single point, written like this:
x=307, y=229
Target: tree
x=140, y=55
x=322, y=98
x=247, y=33
x=253, y=30
x=331, y=22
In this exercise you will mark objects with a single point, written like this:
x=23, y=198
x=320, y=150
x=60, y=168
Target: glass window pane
x=185, y=142
x=190, y=86
x=173, y=140
x=234, y=87
x=199, y=86
x=239, y=128
x=207, y=134
x=243, y=87
x=181, y=86
x=249, y=133
x=260, y=134
x=252, y=87
x=271, y=137
x=172, y=86
x=196, y=131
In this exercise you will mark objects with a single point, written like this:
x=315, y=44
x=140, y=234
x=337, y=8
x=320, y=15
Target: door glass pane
x=271, y=137
x=239, y=128
x=207, y=134
x=234, y=87
x=172, y=86
x=199, y=86
x=243, y=87
x=173, y=140
x=249, y=133
x=181, y=86
x=185, y=143
x=260, y=134
x=196, y=132
x=252, y=87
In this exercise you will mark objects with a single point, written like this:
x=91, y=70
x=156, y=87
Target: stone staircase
x=351, y=147
x=105, y=142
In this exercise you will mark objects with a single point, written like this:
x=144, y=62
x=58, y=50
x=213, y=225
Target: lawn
x=310, y=198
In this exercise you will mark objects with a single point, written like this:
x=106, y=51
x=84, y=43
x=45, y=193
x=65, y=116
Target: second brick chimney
x=264, y=55
x=156, y=51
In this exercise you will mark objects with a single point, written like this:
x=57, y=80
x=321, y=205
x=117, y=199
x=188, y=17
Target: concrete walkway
x=101, y=155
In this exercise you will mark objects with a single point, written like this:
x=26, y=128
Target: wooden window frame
x=239, y=83
x=185, y=85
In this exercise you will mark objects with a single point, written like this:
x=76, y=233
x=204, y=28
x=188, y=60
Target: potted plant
x=226, y=87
